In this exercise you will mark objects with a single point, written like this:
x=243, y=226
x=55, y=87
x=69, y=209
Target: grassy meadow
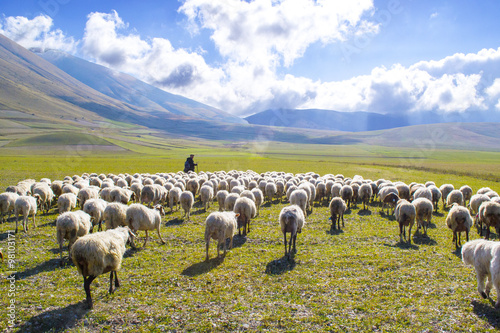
x=361, y=278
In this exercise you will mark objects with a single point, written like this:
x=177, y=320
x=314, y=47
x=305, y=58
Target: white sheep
x=86, y=193
x=99, y=253
x=187, y=201
x=467, y=193
x=140, y=217
x=337, y=209
x=270, y=191
x=484, y=256
x=66, y=202
x=45, y=193
x=292, y=221
x=137, y=187
x=70, y=226
x=459, y=220
x=455, y=196
x=115, y=215
x=489, y=214
x=436, y=195
x=246, y=210
x=320, y=191
x=423, y=209
x=405, y=214
x=95, y=208
x=365, y=192
x=299, y=198
x=27, y=205
x=221, y=198
x=230, y=201
x=123, y=195
x=445, y=190
x=346, y=194
x=206, y=195
x=7, y=204
x=174, y=196
x=423, y=192
x=259, y=198
x=220, y=226
x=248, y=194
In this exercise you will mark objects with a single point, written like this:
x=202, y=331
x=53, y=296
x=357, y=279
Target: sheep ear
x=236, y=215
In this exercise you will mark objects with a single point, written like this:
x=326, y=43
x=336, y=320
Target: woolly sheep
x=90, y=192
x=237, y=189
x=445, y=190
x=423, y=192
x=192, y=186
x=56, y=187
x=174, y=197
x=385, y=198
x=70, y=226
x=7, y=204
x=337, y=209
x=230, y=201
x=455, y=196
x=248, y=194
x=220, y=226
x=403, y=191
x=27, y=205
x=115, y=215
x=405, y=214
x=66, y=202
x=270, y=191
x=365, y=192
x=221, y=197
x=484, y=256
x=95, y=208
x=99, y=253
x=320, y=191
x=423, y=209
x=436, y=196
x=46, y=195
x=299, y=198
x=137, y=188
x=246, y=210
x=187, y=201
x=206, y=195
x=123, y=195
x=346, y=194
x=459, y=220
x=140, y=217
x=336, y=190
x=292, y=221
x=489, y=213
x=259, y=198
x=466, y=192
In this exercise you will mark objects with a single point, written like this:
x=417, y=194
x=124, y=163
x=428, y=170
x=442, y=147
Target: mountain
x=359, y=121
x=130, y=90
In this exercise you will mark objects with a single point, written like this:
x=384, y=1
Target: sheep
x=405, y=214
x=346, y=193
x=484, y=256
x=365, y=192
x=445, y=190
x=355, y=193
x=291, y=220
x=337, y=209
x=174, y=196
x=187, y=201
x=221, y=197
x=320, y=191
x=192, y=186
x=305, y=187
x=56, y=187
x=270, y=191
x=237, y=189
x=95, y=208
x=206, y=195
x=115, y=215
x=280, y=189
x=123, y=195
x=455, y=196
x=149, y=194
x=99, y=253
x=246, y=210
x=248, y=194
x=336, y=190
x=66, y=202
x=137, y=187
x=466, y=192
x=403, y=191
x=299, y=198
x=26, y=205
x=70, y=226
x=259, y=198
x=46, y=195
x=423, y=192
x=230, y=201
x=489, y=213
x=388, y=195
x=423, y=209
x=90, y=192
x=7, y=204
x=220, y=226
x=436, y=196
x=140, y=217
x=459, y=220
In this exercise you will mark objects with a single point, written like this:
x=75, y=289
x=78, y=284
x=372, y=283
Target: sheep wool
x=220, y=226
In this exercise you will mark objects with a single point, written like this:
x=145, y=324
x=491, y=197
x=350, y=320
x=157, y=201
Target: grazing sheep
x=137, y=187
x=436, y=196
x=46, y=195
x=95, y=208
x=445, y=190
x=99, y=253
x=115, y=215
x=292, y=220
x=455, y=196
x=459, y=220
x=259, y=198
x=220, y=226
x=187, y=201
x=423, y=192
x=299, y=198
x=206, y=195
x=192, y=186
x=391, y=199
x=423, y=209
x=337, y=209
x=384, y=191
x=140, y=217
x=270, y=191
x=246, y=210
x=336, y=187
x=7, y=204
x=66, y=202
x=467, y=193
x=230, y=201
x=70, y=226
x=489, y=214
x=365, y=192
x=174, y=197
x=320, y=191
x=355, y=193
x=26, y=205
x=248, y=194
x=403, y=191
x=405, y=214
x=484, y=256
x=123, y=195
x=90, y=192
x=221, y=198
x=346, y=194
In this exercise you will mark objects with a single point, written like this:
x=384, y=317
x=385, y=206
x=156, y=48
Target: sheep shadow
x=438, y=214
x=423, y=239
x=202, y=267
x=57, y=320
x=46, y=266
x=364, y=212
x=49, y=224
x=486, y=312
x=457, y=252
x=238, y=241
x=334, y=231
x=174, y=222
x=130, y=252
x=5, y=235
x=403, y=245
x=281, y=265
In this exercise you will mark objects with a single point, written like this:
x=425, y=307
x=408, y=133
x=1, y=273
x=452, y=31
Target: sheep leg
x=17, y=222
x=146, y=240
x=25, y=223
x=409, y=233
x=294, y=240
x=86, y=286
x=207, y=246
x=231, y=242
x=284, y=241
x=159, y=235
x=401, y=232
x=487, y=232
x=34, y=222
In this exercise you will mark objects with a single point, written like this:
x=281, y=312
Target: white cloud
x=36, y=33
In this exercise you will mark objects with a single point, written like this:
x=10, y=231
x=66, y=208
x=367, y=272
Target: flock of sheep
x=128, y=203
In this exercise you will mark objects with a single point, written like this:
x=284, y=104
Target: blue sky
x=247, y=56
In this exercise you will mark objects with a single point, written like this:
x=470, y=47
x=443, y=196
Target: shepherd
x=189, y=164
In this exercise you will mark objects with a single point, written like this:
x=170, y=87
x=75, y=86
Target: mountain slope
x=130, y=90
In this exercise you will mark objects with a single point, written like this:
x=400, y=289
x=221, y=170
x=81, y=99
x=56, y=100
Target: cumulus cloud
x=36, y=33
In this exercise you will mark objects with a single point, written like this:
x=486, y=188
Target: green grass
x=360, y=279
